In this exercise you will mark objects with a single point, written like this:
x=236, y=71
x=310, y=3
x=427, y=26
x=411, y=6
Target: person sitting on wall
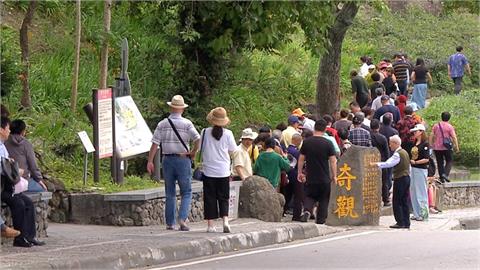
x=21, y=150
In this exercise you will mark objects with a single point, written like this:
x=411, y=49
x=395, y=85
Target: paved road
x=358, y=250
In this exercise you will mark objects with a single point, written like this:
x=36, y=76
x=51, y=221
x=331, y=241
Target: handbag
x=10, y=171
x=198, y=173
x=21, y=186
x=283, y=179
x=447, y=142
x=181, y=140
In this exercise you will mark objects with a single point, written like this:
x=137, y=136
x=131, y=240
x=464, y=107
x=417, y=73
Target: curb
x=150, y=256
x=471, y=223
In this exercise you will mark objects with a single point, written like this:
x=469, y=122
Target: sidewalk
x=72, y=246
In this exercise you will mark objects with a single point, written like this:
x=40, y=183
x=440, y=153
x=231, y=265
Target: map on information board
x=133, y=136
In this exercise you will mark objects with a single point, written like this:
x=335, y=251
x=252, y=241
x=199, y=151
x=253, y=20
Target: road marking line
x=264, y=250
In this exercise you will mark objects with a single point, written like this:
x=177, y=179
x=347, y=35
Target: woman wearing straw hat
x=218, y=144
x=419, y=159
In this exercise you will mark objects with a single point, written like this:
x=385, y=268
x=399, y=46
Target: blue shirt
x=457, y=62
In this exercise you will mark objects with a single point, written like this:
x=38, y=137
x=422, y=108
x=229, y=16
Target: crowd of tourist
x=298, y=159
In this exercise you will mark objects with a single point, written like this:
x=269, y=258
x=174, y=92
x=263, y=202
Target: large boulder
x=258, y=199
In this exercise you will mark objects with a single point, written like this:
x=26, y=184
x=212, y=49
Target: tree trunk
x=328, y=79
x=104, y=52
x=26, y=100
x=76, y=66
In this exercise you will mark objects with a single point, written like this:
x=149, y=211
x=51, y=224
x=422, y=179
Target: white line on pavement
x=264, y=250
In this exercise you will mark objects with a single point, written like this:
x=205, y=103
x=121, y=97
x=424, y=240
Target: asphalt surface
x=400, y=249
x=72, y=246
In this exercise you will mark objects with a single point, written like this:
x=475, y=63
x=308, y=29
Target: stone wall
x=133, y=208
x=460, y=194
x=42, y=209
x=59, y=206
x=149, y=212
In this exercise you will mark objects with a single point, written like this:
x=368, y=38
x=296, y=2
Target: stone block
x=85, y=207
x=258, y=199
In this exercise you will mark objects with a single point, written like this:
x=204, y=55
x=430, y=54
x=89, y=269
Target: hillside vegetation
x=259, y=86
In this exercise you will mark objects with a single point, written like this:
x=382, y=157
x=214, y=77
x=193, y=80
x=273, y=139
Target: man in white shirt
x=174, y=135
x=241, y=161
x=400, y=162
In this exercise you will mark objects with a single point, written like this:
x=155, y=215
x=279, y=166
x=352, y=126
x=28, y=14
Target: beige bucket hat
x=177, y=102
x=218, y=117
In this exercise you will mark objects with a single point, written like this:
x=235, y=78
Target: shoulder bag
x=447, y=142
x=198, y=173
x=180, y=139
x=10, y=172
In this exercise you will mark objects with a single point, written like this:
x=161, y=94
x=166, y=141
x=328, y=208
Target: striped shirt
x=165, y=135
x=401, y=70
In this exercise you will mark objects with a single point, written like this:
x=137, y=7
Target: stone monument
x=356, y=197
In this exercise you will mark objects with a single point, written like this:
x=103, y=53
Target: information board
x=133, y=136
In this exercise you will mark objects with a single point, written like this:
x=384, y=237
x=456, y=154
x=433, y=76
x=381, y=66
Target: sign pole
x=96, y=139
x=85, y=162
x=87, y=148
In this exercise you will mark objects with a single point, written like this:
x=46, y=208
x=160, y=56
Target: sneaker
x=305, y=217
x=10, y=233
x=170, y=227
x=211, y=229
x=432, y=210
x=226, y=229
x=385, y=204
x=184, y=228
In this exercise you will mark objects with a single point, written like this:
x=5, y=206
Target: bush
x=465, y=118
x=263, y=88
x=10, y=60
